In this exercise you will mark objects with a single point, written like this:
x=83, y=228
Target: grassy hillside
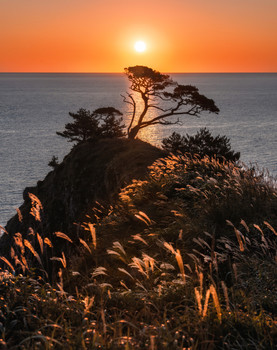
x=185, y=258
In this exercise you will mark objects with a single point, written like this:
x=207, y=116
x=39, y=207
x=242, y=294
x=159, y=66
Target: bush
x=202, y=144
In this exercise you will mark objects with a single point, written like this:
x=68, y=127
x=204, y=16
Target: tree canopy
x=202, y=144
x=101, y=123
x=169, y=99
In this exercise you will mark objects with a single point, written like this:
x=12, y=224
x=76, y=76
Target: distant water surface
x=34, y=106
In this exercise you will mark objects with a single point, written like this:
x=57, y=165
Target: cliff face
x=90, y=172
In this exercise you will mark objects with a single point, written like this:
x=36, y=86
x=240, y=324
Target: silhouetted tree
x=170, y=104
x=110, y=125
x=202, y=144
x=54, y=162
x=101, y=123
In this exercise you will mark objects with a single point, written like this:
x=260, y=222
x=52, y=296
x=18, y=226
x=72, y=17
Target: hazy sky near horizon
x=99, y=35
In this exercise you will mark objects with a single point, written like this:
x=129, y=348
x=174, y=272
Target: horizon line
x=53, y=72
x=122, y=72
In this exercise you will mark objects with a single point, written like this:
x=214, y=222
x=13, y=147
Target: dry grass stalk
x=13, y=256
x=93, y=234
x=2, y=229
x=124, y=285
x=198, y=299
x=152, y=342
x=138, y=263
x=60, y=285
x=259, y=229
x=24, y=262
x=18, y=241
x=205, y=309
x=85, y=245
x=40, y=241
x=148, y=261
x=142, y=219
x=216, y=302
x=48, y=242
x=169, y=247
x=244, y=225
x=16, y=260
x=8, y=263
x=63, y=235
x=270, y=227
x=98, y=271
x=118, y=245
x=35, y=199
x=88, y=303
x=19, y=214
x=126, y=272
x=225, y=291
x=62, y=259
x=238, y=235
x=138, y=237
x=113, y=252
x=32, y=250
x=143, y=215
x=159, y=290
x=180, y=264
x=36, y=206
x=201, y=278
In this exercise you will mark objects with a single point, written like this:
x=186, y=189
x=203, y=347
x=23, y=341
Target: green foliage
x=202, y=144
x=102, y=123
x=165, y=97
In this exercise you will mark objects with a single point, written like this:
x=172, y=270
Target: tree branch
x=132, y=103
x=172, y=113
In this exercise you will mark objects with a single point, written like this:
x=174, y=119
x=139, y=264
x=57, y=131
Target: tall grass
x=186, y=259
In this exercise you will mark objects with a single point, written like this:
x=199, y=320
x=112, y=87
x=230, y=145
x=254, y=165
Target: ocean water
x=34, y=106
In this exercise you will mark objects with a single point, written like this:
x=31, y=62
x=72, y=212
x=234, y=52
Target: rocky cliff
x=90, y=172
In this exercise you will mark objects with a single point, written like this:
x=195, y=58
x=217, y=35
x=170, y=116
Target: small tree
x=101, y=123
x=202, y=144
x=54, y=162
x=110, y=126
x=169, y=104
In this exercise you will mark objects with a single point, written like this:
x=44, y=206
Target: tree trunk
x=133, y=132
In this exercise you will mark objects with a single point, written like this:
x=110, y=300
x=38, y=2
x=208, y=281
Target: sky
x=99, y=35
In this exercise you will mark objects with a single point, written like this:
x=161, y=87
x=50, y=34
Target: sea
x=34, y=106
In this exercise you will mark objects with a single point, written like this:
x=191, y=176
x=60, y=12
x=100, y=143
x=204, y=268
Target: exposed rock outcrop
x=90, y=172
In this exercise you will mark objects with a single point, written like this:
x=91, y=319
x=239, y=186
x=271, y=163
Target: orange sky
x=98, y=35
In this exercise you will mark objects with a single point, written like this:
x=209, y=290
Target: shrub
x=202, y=144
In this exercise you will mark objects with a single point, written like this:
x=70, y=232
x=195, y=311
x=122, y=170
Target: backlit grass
x=185, y=259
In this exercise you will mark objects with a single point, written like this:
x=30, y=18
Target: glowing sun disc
x=140, y=46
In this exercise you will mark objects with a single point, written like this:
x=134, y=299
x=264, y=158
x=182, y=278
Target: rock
x=90, y=172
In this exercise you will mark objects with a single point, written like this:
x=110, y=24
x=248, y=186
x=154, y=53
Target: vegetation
x=202, y=144
x=101, y=123
x=53, y=162
x=185, y=259
x=163, y=101
x=165, y=97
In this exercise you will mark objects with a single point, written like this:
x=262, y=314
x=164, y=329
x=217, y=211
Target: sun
x=140, y=46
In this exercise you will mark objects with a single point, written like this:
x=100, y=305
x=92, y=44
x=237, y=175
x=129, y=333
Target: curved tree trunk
x=133, y=132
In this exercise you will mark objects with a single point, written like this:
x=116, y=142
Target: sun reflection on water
x=151, y=134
